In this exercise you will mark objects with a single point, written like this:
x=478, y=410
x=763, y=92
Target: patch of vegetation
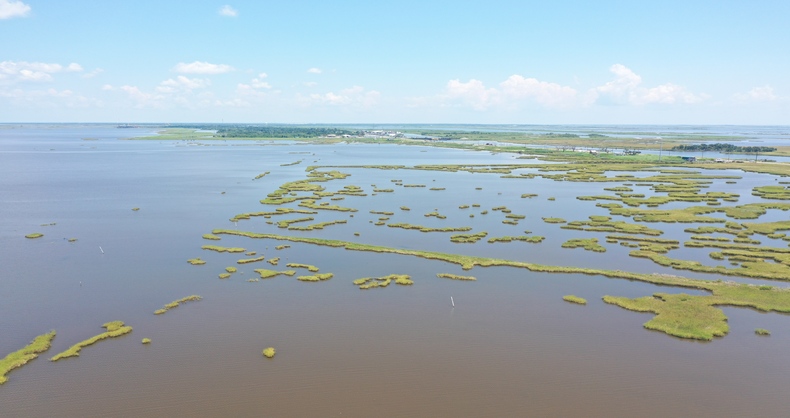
x=455, y=277
x=219, y=249
x=34, y=235
x=26, y=354
x=303, y=266
x=535, y=239
x=316, y=277
x=269, y=352
x=268, y=274
x=762, y=331
x=196, y=261
x=554, y=220
x=176, y=303
x=250, y=260
x=429, y=229
x=146, y=341
x=574, y=299
x=384, y=281
x=211, y=237
x=114, y=329
x=468, y=238
x=589, y=244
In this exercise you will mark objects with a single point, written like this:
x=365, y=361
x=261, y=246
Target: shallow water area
x=509, y=347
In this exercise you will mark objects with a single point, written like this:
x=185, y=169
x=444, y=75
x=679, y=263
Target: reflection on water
x=510, y=347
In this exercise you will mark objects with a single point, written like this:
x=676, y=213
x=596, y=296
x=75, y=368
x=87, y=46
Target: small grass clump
x=762, y=331
x=146, y=341
x=303, y=266
x=135, y=209
x=535, y=239
x=211, y=237
x=269, y=352
x=574, y=299
x=273, y=261
x=455, y=277
x=404, y=208
x=219, y=249
x=589, y=244
x=26, y=354
x=196, y=261
x=224, y=276
x=554, y=220
x=384, y=281
x=114, y=329
x=316, y=277
x=34, y=235
x=250, y=260
x=268, y=274
x=282, y=247
x=175, y=303
x=468, y=238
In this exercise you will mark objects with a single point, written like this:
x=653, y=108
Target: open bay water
x=510, y=347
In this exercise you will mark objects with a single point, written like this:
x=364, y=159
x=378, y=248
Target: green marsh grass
x=309, y=267
x=196, y=261
x=114, y=329
x=26, y=354
x=316, y=277
x=273, y=261
x=211, y=237
x=574, y=299
x=250, y=260
x=177, y=302
x=455, y=277
x=762, y=331
x=146, y=341
x=589, y=244
x=219, y=249
x=34, y=235
x=269, y=352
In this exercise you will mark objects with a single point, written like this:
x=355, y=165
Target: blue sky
x=345, y=61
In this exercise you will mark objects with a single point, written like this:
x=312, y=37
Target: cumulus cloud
x=141, y=98
x=182, y=83
x=13, y=8
x=472, y=93
x=48, y=98
x=758, y=94
x=512, y=92
x=314, y=70
x=255, y=87
x=200, y=67
x=228, y=11
x=93, y=73
x=626, y=88
x=33, y=71
x=354, y=96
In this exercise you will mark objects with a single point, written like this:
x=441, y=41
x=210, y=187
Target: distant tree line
x=284, y=131
x=725, y=148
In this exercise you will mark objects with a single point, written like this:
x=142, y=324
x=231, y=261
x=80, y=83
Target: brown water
x=509, y=347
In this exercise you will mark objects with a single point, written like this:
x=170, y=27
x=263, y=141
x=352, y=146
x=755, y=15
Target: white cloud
x=200, y=67
x=93, y=73
x=33, y=71
x=547, y=94
x=309, y=84
x=107, y=87
x=228, y=11
x=141, y=98
x=48, y=98
x=13, y=8
x=314, y=70
x=182, y=83
x=758, y=94
x=354, y=96
x=627, y=88
x=472, y=93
